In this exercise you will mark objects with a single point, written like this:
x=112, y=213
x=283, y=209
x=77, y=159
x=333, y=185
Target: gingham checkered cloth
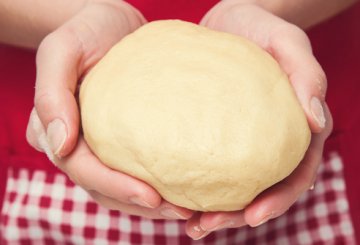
x=44, y=209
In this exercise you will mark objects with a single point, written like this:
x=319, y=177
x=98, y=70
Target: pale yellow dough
x=206, y=118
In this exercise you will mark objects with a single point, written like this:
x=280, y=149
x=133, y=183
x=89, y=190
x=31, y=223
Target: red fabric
x=336, y=44
x=17, y=76
x=41, y=208
x=180, y=9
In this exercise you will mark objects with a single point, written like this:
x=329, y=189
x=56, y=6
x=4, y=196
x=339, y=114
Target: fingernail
x=171, y=214
x=202, y=236
x=317, y=111
x=41, y=136
x=56, y=135
x=34, y=131
x=265, y=219
x=196, y=230
x=139, y=201
x=223, y=225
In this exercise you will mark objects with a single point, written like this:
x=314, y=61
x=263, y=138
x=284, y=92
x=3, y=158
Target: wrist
x=301, y=13
x=276, y=7
x=133, y=16
x=26, y=23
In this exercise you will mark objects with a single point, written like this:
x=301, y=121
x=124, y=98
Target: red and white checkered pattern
x=44, y=209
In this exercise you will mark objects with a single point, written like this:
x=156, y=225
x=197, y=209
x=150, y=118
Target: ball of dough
x=207, y=118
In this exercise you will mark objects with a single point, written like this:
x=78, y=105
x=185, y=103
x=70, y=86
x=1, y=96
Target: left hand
x=63, y=58
x=291, y=48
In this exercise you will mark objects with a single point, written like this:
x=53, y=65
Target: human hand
x=290, y=46
x=63, y=57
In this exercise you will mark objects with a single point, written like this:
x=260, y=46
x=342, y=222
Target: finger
x=56, y=81
x=171, y=211
x=193, y=228
x=36, y=135
x=62, y=58
x=291, y=48
x=164, y=211
x=221, y=220
x=276, y=200
x=87, y=171
x=67, y=54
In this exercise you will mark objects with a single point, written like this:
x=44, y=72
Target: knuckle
x=290, y=34
x=42, y=100
x=101, y=200
x=57, y=43
x=295, y=31
x=78, y=179
x=49, y=43
x=77, y=176
x=42, y=96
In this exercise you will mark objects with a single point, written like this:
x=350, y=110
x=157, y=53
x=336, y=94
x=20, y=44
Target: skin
x=71, y=41
x=291, y=48
x=70, y=51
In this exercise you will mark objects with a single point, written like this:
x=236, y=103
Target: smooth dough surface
x=206, y=118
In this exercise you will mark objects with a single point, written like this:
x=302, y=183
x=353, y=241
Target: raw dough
x=206, y=118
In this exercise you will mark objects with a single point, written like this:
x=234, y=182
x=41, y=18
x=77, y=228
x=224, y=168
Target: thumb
x=67, y=53
x=57, y=60
x=291, y=48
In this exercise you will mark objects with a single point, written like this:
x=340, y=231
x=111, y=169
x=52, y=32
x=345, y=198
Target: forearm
x=303, y=13
x=26, y=23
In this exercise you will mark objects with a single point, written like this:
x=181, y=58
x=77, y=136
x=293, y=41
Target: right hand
x=291, y=48
x=63, y=57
